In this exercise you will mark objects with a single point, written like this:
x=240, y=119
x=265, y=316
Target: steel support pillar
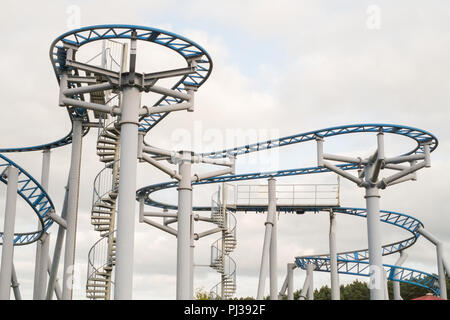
x=15, y=284
x=376, y=270
x=335, y=291
x=310, y=272
x=43, y=266
x=396, y=284
x=290, y=281
x=192, y=247
x=56, y=285
x=8, y=234
x=267, y=241
x=184, y=228
x=40, y=278
x=127, y=193
x=306, y=284
x=273, y=255
x=440, y=263
x=57, y=251
x=72, y=209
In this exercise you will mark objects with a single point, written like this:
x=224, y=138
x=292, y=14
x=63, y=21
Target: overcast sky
x=280, y=68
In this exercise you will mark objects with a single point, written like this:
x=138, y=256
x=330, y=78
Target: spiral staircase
x=102, y=256
x=223, y=217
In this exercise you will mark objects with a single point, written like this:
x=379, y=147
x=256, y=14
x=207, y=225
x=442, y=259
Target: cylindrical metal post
x=72, y=209
x=15, y=284
x=290, y=279
x=56, y=285
x=38, y=290
x=310, y=272
x=192, y=246
x=376, y=270
x=266, y=245
x=184, y=230
x=441, y=272
x=305, y=288
x=43, y=266
x=57, y=250
x=396, y=284
x=335, y=292
x=272, y=205
x=127, y=193
x=8, y=234
x=440, y=261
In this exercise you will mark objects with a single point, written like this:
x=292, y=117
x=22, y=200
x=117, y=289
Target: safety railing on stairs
x=101, y=259
x=104, y=182
x=222, y=247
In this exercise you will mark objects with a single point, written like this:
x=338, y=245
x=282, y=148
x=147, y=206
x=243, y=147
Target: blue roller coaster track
x=352, y=262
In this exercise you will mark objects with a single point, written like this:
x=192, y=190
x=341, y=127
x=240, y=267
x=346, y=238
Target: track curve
x=347, y=261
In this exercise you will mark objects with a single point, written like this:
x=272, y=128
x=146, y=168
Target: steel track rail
x=35, y=195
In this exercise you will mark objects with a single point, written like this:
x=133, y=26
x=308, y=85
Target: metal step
x=109, y=135
x=95, y=291
x=106, y=140
x=97, y=285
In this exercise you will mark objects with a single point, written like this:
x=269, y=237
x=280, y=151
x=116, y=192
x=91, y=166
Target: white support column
x=273, y=255
x=184, y=230
x=290, y=280
x=310, y=271
x=305, y=288
x=266, y=245
x=57, y=251
x=192, y=247
x=56, y=285
x=15, y=284
x=396, y=284
x=38, y=292
x=335, y=291
x=440, y=263
x=43, y=266
x=8, y=234
x=386, y=290
x=37, y=267
x=376, y=270
x=126, y=217
x=72, y=209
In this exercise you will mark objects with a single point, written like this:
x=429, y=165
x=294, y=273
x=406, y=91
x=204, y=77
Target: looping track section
x=186, y=48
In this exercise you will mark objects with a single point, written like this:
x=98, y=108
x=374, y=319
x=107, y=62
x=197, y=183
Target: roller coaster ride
x=112, y=94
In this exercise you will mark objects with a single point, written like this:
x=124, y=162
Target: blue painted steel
x=420, y=136
x=361, y=268
x=183, y=46
x=35, y=195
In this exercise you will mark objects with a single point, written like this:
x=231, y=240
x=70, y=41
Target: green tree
x=201, y=294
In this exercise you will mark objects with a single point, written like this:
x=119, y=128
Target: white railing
x=104, y=182
x=100, y=256
x=289, y=194
x=220, y=249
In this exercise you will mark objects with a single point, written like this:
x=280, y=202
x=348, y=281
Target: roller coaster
x=113, y=96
